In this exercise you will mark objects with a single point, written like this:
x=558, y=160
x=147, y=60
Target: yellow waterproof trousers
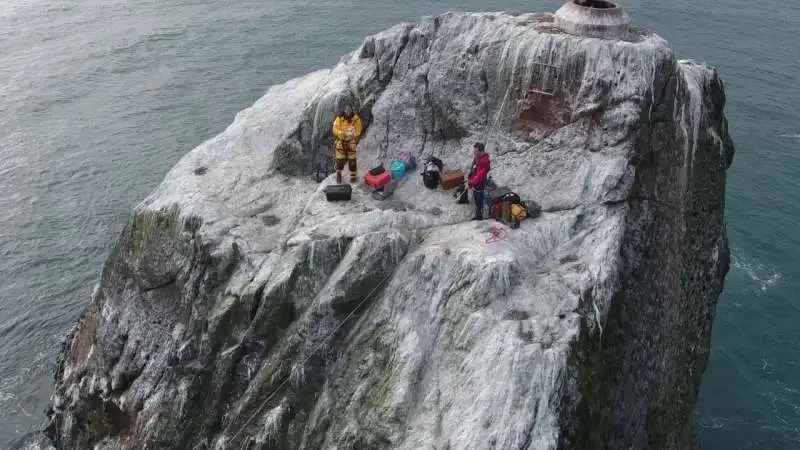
x=346, y=151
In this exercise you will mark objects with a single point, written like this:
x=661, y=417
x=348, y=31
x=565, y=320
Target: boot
x=339, y=177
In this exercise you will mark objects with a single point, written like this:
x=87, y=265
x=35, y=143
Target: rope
x=498, y=234
x=324, y=341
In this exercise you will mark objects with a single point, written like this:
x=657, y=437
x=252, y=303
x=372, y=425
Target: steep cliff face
x=239, y=309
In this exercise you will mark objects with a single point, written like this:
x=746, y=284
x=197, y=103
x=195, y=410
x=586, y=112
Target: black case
x=378, y=170
x=502, y=194
x=338, y=192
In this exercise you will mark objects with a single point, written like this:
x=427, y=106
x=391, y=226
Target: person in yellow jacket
x=347, y=130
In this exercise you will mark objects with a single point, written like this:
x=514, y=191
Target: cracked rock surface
x=240, y=310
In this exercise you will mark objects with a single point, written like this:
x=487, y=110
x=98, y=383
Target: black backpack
x=503, y=194
x=436, y=162
x=430, y=179
x=430, y=175
x=532, y=208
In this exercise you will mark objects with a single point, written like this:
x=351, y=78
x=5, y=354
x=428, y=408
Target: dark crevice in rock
x=660, y=103
x=427, y=99
x=558, y=209
x=367, y=49
x=514, y=314
x=166, y=284
x=615, y=202
x=260, y=209
x=270, y=220
x=528, y=435
x=301, y=154
x=386, y=144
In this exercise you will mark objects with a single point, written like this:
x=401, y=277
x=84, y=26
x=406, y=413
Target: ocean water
x=99, y=98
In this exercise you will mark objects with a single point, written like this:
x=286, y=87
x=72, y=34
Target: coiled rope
x=498, y=234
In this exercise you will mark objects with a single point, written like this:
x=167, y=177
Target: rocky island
x=240, y=310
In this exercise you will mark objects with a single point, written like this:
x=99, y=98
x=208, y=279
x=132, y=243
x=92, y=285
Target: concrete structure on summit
x=593, y=18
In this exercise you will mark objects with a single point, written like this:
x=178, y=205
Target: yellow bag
x=518, y=212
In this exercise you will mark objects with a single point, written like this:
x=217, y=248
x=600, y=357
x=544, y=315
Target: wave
x=33, y=440
x=761, y=276
x=790, y=136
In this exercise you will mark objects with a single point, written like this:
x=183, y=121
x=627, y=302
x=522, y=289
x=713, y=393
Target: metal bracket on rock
x=541, y=90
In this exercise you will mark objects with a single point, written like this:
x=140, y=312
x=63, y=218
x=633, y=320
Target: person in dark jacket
x=478, y=177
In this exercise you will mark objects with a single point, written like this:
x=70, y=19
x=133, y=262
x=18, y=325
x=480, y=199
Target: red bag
x=377, y=181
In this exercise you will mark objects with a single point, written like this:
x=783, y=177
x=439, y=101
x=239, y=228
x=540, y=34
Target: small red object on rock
x=498, y=233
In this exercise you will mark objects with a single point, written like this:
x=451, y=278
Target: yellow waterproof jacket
x=347, y=130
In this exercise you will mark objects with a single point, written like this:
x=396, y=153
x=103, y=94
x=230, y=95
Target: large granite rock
x=239, y=309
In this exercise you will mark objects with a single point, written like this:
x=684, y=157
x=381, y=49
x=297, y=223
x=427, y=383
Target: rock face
x=241, y=310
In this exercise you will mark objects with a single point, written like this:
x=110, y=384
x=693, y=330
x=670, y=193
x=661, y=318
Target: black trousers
x=477, y=197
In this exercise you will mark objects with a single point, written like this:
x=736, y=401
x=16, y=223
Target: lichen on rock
x=239, y=309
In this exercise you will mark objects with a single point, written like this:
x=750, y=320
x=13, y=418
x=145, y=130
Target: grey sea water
x=99, y=98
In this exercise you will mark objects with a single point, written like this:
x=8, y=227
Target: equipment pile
x=501, y=203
